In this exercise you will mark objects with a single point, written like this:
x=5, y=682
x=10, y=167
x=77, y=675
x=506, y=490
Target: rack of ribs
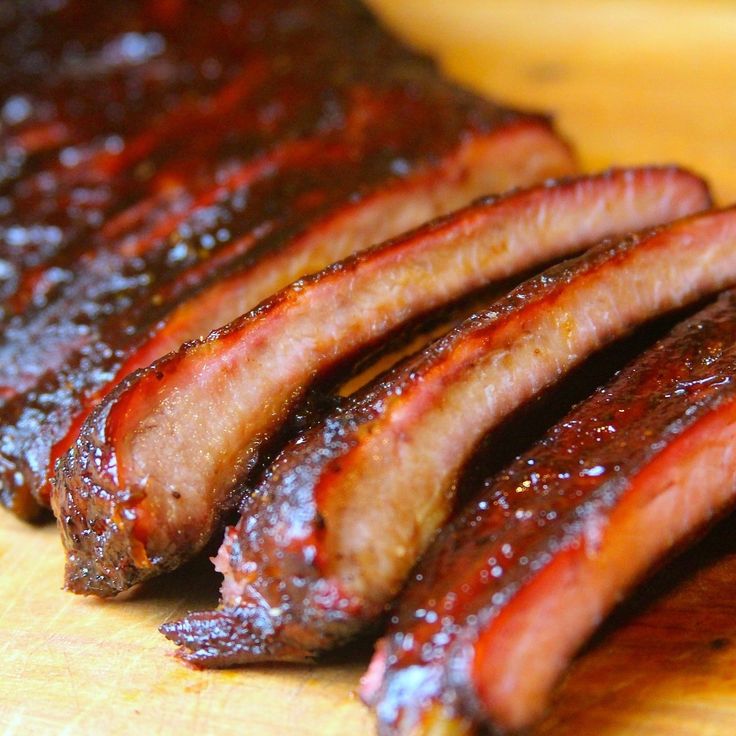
x=151, y=477
x=306, y=135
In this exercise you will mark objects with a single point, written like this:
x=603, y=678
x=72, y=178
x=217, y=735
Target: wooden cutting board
x=629, y=82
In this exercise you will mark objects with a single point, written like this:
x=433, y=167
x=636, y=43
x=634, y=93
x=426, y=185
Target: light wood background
x=629, y=82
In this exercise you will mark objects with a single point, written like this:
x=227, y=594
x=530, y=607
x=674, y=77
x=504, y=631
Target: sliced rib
x=411, y=145
x=365, y=203
x=333, y=530
x=514, y=586
x=162, y=459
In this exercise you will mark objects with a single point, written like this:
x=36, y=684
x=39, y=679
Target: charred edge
x=264, y=617
x=228, y=637
x=96, y=520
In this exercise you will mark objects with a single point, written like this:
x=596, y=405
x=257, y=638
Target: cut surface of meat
x=165, y=456
x=517, y=582
x=331, y=533
x=323, y=136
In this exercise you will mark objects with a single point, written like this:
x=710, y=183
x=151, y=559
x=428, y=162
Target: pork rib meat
x=151, y=475
x=335, y=136
x=514, y=586
x=330, y=535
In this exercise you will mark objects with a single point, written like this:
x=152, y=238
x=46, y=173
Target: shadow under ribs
x=514, y=586
x=330, y=535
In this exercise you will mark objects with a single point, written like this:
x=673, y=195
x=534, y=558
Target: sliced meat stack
x=514, y=586
x=312, y=134
x=330, y=535
x=165, y=456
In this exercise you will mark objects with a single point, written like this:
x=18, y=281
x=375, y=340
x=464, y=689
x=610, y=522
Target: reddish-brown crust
x=515, y=544
x=96, y=100
x=283, y=551
x=106, y=501
x=334, y=78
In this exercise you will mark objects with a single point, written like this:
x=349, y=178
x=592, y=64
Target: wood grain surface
x=629, y=82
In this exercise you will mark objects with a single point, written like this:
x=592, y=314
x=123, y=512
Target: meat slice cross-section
x=332, y=532
x=514, y=586
x=165, y=455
